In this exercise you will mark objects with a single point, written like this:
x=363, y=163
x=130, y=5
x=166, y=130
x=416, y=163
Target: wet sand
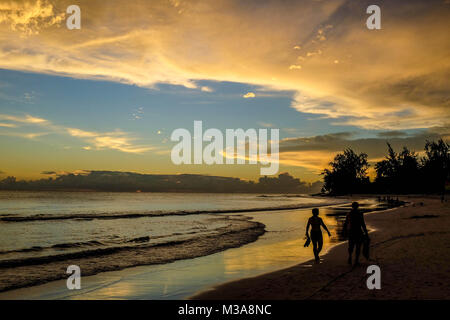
x=281, y=246
x=410, y=244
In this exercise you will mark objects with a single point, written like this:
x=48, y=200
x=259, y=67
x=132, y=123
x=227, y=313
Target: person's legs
x=351, y=244
x=319, y=244
x=315, y=248
x=357, y=251
x=316, y=238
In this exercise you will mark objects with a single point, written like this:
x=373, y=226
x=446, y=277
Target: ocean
x=42, y=232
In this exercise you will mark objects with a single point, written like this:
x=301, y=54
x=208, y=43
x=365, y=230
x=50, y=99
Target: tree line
x=404, y=172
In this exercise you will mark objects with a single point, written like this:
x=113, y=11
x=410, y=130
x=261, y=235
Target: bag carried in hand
x=307, y=242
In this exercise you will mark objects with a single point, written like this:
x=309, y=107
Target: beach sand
x=410, y=244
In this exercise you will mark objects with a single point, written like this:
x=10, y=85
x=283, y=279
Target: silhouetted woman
x=355, y=228
x=316, y=233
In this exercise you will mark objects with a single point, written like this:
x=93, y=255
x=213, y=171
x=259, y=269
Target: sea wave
x=158, y=213
x=239, y=231
x=108, y=246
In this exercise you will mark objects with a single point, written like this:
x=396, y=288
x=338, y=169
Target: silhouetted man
x=355, y=228
x=316, y=233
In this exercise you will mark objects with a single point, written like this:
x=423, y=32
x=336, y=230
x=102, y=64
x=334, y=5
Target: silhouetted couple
x=354, y=228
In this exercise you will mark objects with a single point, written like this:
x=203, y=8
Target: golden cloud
x=22, y=119
x=7, y=125
x=29, y=17
x=315, y=160
x=249, y=95
x=116, y=140
x=206, y=89
x=394, y=78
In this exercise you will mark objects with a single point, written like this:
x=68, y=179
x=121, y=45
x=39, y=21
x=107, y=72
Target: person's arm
x=307, y=227
x=325, y=227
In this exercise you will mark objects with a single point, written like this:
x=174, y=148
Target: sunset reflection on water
x=281, y=244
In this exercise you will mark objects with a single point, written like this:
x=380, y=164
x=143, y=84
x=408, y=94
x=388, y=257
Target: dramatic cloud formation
x=389, y=79
x=29, y=17
x=315, y=152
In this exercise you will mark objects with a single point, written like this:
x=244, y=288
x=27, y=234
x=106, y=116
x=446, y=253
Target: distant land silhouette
x=133, y=182
x=399, y=173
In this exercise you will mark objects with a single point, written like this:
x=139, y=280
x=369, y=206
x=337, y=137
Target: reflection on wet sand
x=282, y=243
x=280, y=247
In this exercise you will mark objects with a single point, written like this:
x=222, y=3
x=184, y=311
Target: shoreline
x=261, y=217
x=203, y=295
x=241, y=231
x=278, y=248
x=409, y=243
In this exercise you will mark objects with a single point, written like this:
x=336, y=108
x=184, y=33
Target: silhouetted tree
x=348, y=173
x=436, y=165
x=398, y=173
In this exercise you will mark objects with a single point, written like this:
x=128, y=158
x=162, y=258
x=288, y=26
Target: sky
x=108, y=96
